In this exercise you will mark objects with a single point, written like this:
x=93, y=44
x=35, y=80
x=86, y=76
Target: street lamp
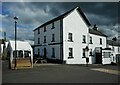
x=87, y=58
x=15, y=18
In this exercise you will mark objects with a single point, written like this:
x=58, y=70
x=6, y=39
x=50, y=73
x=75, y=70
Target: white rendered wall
x=74, y=24
x=48, y=34
x=104, y=59
x=116, y=51
x=96, y=43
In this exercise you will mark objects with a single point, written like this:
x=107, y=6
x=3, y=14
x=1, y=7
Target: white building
x=24, y=51
x=68, y=39
x=115, y=50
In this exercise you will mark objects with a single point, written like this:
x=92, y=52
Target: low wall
x=22, y=63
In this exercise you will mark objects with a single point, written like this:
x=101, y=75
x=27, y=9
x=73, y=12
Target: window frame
x=91, y=53
x=70, y=37
x=90, y=42
x=84, y=39
x=53, y=52
x=106, y=52
x=53, y=38
x=100, y=41
x=53, y=25
x=44, y=28
x=45, y=39
x=38, y=52
x=83, y=53
x=70, y=53
x=38, y=40
x=118, y=49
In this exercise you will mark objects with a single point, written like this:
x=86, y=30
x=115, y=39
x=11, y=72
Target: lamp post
x=87, y=58
x=15, y=18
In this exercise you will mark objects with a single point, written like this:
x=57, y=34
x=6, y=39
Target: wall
x=74, y=24
x=48, y=34
x=116, y=51
x=96, y=43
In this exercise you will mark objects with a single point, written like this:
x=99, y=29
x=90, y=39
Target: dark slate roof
x=96, y=32
x=64, y=15
x=113, y=43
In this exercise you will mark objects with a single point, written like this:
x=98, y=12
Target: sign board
x=98, y=49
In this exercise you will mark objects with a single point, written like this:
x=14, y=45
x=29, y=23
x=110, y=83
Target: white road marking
x=116, y=72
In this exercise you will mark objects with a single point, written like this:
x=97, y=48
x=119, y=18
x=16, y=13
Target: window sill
x=70, y=57
x=83, y=42
x=90, y=43
x=70, y=40
x=52, y=41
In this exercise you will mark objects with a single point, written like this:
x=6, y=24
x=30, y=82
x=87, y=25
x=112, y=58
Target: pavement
x=59, y=73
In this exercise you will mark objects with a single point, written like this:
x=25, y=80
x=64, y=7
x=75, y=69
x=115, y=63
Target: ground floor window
x=113, y=58
x=91, y=52
x=53, y=52
x=70, y=53
x=83, y=53
x=106, y=54
x=38, y=52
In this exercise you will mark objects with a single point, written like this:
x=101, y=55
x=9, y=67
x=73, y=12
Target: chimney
x=95, y=27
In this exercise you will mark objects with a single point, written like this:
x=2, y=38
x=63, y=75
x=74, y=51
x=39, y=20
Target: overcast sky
x=33, y=14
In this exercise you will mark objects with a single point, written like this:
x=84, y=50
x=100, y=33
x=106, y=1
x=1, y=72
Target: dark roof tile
x=113, y=43
x=96, y=32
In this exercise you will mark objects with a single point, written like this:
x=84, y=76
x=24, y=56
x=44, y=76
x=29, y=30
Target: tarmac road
x=57, y=73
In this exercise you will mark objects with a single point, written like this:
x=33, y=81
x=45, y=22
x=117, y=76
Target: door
x=45, y=53
x=98, y=58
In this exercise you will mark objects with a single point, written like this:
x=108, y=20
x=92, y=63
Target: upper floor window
x=91, y=40
x=53, y=52
x=70, y=53
x=118, y=49
x=38, y=30
x=84, y=39
x=53, y=38
x=44, y=28
x=44, y=39
x=53, y=25
x=70, y=37
x=100, y=41
x=38, y=40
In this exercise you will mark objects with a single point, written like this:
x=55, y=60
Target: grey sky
x=33, y=14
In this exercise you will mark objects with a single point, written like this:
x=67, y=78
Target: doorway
x=98, y=58
x=44, y=53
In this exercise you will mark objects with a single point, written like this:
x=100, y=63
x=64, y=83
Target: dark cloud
x=33, y=14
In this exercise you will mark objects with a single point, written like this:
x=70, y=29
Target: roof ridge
x=64, y=15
